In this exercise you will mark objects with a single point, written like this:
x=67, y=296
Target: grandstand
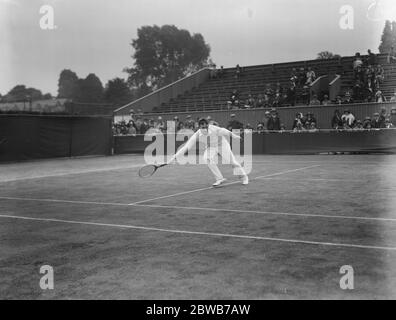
x=212, y=94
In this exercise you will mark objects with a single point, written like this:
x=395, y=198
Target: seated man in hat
x=309, y=120
x=348, y=98
x=189, y=123
x=274, y=123
x=314, y=101
x=215, y=141
x=234, y=124
x=378, y=121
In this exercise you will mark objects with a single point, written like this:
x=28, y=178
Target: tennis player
x=215, y=141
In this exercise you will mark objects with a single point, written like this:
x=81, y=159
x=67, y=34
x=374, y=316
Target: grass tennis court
x=110, y=235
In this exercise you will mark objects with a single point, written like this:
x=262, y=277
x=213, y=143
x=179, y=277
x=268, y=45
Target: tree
x=68, y=84
x=388, y=38
x=21, y=93
x=117, y=92
x=163, y=55
x=47, y=96
x=325, y=55
x=90, y=89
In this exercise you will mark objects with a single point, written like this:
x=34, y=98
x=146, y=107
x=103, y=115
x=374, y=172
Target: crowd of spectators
x=368, y=77
x=271, y=122
x=379, y=120
x=278, y=95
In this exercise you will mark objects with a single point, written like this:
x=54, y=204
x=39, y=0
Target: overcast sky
x=94, y=36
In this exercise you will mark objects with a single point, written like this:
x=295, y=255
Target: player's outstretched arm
x=228, y=133
x=187, y=146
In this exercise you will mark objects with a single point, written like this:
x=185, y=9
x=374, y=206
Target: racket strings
x=147, y=171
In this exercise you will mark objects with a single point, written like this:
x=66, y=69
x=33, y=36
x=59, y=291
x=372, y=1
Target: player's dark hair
x=202, y=120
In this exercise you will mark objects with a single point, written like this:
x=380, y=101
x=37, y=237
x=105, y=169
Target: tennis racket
x=149, y=170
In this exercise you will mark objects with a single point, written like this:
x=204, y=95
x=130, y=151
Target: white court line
x=326, y=162
x=66, y=201
x=224, y=235
x=61, y=174
x=307, y=215
x=224, y=185
x=202, y=209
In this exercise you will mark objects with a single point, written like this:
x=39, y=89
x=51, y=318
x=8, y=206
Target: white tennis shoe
x=245, y=180
x=219, y=182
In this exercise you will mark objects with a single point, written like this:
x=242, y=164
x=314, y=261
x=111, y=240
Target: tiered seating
x=213, y=94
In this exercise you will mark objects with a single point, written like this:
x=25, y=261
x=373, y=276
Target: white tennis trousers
x=224, y=150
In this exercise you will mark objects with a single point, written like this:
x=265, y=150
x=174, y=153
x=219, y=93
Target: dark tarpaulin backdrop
x=34, y=137
x=372, y=141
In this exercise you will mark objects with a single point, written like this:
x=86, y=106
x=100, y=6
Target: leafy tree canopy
x=164, y=54
x=325, y=55
x=117, y=92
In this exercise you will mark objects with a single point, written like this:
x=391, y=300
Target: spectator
x=294, y=77
x=274, y=123
x=348, y=118
x=151, y=123
x=279, y=89
x=371, y=58
x=388, y=124
x=336, y=121
x=379, y=76
x=213, y=72
x=309, y=120
x=277, y=102
x=305, y=95
x=178, y=123
x=234, y=124
x=348, y=98
x=299, y=127
x=370, y=77
x=393, y=116
x=138, y=124
x=314, y=101
x=260, y=127
x=250, y=102
x=393, y=98
x=234, y=98
x=131, y=128
x=298, y=120
x=302, y=77
x=238, y=71
x=367, y=123
x=358, y=126
x=268, y=91
x=357, y=63
x=160, y=125
x=383, y=113
x=267, y=116
x=291, y=93
x=212, y=121
x=312, y=127
x=379, y=97
x=338, y=100
x=221, y=72
x=248, y=127
x=358, y=91
x=311, y=76
x=326, y=101
x=260, y=103
x=145, y=126
x=189, y=124
x=378, y=122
